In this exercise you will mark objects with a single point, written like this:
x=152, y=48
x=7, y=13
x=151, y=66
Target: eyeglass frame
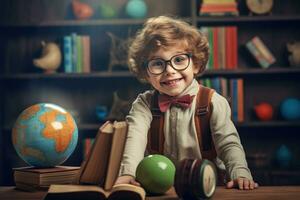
x=166, y=62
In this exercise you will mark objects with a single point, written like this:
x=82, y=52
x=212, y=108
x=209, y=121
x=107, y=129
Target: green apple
x=156, y=174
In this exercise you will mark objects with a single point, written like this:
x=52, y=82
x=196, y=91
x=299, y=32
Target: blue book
x=234, y=99
x=67, y=50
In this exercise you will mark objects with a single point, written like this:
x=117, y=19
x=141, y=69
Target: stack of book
x=219, y=7
x=31, y=178
x=260, y=52
x=77, y=53
x=100, y=169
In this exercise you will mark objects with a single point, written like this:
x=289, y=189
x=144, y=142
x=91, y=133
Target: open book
x=101, y=166
x=92, y=192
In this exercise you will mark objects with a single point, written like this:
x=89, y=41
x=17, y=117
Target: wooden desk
x=266, y=193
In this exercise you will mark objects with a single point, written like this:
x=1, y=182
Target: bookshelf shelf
x=126, y=74
x=25, y=76
x=269, y=124
x=78, y=23
x=248, y=19
x=126, y=22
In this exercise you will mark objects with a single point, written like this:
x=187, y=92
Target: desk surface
x=266, y=193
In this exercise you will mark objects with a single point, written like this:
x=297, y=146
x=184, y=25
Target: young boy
x=168, y=53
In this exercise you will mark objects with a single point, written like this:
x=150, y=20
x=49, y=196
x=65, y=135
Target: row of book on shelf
x=223, y=47
x=233, y=91
x=223, y=43
x=76, y=53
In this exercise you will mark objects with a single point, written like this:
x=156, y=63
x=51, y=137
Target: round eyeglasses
x=178, y=62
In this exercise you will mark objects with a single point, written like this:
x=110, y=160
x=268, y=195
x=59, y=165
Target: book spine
x=240, y=100
x=74, y=52
x=257, y=55
x=86, y=51
x=79, y=64
x=262, y=48
x=215, y=31
x=234, y=98
x=67, y=51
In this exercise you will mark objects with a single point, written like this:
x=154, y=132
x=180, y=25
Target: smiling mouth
x=171, y=82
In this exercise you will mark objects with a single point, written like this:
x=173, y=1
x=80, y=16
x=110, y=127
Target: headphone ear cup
x=195, y=179
x=182, y=178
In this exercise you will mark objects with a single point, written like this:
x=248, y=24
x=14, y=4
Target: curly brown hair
x=161, y=32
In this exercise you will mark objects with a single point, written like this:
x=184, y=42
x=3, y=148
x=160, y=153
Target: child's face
x=172, y=82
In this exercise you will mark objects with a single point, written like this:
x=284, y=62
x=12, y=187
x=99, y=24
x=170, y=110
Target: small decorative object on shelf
x=294, y=50
x=101, y=112
x=283, y=156
x=50, y=59
x=119, y=109
x=136, y=8
x=118, y=52
x=260, y=7
x=218, y=8
x=107, y=10
x=264, y=111
x=82, y=10
x=290, y=109
x=260, y=52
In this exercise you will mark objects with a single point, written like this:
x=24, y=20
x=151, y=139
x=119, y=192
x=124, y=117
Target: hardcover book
x=101, y=167
x=31, y=178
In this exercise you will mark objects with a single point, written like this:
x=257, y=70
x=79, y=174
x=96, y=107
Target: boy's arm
x=139, y=119
x=226, y=139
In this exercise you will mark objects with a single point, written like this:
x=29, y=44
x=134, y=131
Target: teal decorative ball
x=290, y=109
x=156, y=174
x=136, y=8
x=44, y=135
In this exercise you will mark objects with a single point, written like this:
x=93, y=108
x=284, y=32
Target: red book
x=215, y=48
x=234, y=48
x=240, y=100
x=228, y=47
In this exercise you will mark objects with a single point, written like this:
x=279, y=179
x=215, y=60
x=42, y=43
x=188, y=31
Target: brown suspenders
x=202, y=117
x=156, y=131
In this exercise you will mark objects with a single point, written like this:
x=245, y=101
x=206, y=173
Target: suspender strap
x=202, y=122
x=202, y=118
x=156, y=138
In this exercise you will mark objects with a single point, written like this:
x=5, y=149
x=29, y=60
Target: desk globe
x=44, y=135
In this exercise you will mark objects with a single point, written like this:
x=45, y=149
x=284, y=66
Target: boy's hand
x=242, y=184
x=127, y=179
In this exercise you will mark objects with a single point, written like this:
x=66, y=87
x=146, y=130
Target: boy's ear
x=196, y=69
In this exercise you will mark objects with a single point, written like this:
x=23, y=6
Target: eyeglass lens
x=178, y=62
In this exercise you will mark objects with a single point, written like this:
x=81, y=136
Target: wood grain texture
x=262, y=193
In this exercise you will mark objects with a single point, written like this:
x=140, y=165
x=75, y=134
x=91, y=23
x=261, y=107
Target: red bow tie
x=164, y=101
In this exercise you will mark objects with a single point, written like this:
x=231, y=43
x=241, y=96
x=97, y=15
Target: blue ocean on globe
x=45, y=135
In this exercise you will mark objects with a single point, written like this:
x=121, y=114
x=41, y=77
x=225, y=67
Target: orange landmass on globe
x=62, y=136
x=25, y=151
x=29, y=151
x=31, y=111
